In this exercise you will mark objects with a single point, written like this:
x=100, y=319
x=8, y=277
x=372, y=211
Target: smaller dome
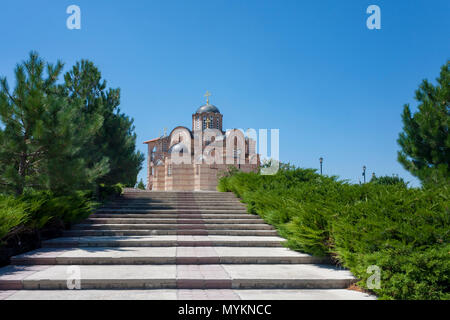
x=178, y=148
x=208, y=108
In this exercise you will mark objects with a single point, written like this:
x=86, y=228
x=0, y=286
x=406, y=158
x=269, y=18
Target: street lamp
x=321, y=161
x=364, y=173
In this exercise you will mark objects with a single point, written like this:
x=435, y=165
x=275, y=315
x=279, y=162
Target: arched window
x=217, y=122
x=236, y=151
x=169, y=170
x=204, y=123
x=211, y=122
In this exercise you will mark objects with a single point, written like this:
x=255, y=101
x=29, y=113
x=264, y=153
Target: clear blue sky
x=309, y=68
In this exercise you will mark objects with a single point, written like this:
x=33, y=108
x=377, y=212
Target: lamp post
x=364, y=173
x=321, y=161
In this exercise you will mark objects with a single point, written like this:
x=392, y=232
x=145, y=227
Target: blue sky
x=309, y=68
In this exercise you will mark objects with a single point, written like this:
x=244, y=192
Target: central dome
x=208, y=108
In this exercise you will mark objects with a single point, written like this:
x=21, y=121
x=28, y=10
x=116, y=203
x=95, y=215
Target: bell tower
x=207, y=116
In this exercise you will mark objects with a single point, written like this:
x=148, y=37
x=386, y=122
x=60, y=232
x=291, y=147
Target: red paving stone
x=202, y=277
x=193, y=255
x=211, y=294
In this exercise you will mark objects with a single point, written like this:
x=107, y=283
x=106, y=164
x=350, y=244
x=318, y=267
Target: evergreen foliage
x=63, y=137
x=404, y=231
x=388, y=180
x=115, y=142
x=425, y=142
x=141, y=185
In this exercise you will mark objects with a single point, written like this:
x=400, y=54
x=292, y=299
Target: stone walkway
x=173, y=245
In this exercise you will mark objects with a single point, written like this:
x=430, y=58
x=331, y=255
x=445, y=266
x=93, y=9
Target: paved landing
x=186, y=294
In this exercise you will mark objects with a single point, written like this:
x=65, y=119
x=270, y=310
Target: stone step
x=197, y=197
x=147, y=201
x=163, y=255
x=177, y=211
x=221, y=216
x=174, y=206
x=169, y=193
x=176, y=199
x=95, y=220
x=164, y=207
x=166, y=241
x=210, y=276
x=188, y=294
x=178, y=226
x=194, y=232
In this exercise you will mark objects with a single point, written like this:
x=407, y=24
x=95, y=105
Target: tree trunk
x=22, y=174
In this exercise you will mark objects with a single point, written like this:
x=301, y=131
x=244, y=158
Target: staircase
x=173, y=245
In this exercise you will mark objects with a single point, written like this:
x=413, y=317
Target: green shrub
x=404, y=231
x=388, y=180
x=106, y=192
x=36, y=209
x=141, y=185
x=12, y=214
x=43, y=207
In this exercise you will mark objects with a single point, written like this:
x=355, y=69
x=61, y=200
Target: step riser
x=178, y=195
x=176, y=216
x=75, y=244
x=80, y=233
x=172, y=221
x=179, y=283
x=150, y=227
x=173, y=211
x=185, y=207
x=167, y=260
x=144, y=202
x=207, y=197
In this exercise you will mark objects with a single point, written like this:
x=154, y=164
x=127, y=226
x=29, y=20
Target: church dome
x=178, y=148
x=208, y=108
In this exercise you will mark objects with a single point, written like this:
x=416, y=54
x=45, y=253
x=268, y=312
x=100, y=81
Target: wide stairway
x=172, y=245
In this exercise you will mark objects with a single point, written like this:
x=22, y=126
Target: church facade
x=193, y=159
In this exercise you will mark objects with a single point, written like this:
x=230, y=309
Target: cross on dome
x=207, y=95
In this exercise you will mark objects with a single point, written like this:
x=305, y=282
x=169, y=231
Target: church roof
x=153, y=140
x=208, y=108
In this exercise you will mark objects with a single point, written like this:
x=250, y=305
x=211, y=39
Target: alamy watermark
x=235, y=147
x=74, y=278
x=74, y=20
x=374, y=281
x=374, y=20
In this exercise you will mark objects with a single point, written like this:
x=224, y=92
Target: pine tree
x=141, y=185
x=115, y=142
x=41, y=134
x=425, y=141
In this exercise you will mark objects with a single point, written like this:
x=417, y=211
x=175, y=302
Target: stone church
x=193, y=159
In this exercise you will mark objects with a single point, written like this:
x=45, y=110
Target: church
x=193, y=159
